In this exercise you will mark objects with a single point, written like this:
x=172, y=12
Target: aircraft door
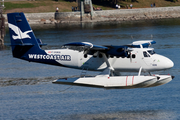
x=147, y=58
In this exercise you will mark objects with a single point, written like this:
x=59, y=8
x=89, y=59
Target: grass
x=65, y=5
x=147, y=3
x=38, y=6
x=10, y=5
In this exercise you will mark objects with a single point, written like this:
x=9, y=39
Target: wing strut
x=107, y=62
x=109, y=70
x=139, y=71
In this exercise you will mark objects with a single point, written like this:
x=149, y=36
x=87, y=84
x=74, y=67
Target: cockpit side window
x=146, y=54
x=151, y=52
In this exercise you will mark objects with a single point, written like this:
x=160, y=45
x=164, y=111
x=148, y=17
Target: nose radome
x=164, y=62
x=169, y=63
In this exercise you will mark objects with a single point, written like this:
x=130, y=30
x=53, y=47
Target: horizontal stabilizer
x=24, y=44
x=40, y=42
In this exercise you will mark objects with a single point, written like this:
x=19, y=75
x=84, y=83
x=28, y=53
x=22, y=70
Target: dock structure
x=2, y=25
x=85, y=7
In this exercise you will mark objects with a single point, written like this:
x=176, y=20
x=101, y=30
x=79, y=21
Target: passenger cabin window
x=146, y=54
x=151, y=52
x=133, y=56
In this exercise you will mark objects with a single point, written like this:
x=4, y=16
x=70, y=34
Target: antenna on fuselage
x=132, y=37
x=151, y=36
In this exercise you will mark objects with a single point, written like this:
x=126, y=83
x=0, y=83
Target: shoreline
x=118, y=15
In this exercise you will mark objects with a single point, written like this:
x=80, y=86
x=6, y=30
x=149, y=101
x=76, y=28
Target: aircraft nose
x=167, y=63
x=164, y=62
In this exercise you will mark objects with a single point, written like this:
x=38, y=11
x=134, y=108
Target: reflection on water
x=127, y=115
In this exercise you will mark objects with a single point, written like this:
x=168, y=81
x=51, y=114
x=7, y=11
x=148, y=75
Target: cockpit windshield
x=151, y=52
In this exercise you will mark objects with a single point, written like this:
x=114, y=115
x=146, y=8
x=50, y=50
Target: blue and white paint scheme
x=109, y=59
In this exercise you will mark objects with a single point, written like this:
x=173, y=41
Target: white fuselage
x=140, y=57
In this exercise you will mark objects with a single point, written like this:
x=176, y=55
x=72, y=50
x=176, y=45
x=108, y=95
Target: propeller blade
x=130, y=57
x=85, y=51
x=96, y=54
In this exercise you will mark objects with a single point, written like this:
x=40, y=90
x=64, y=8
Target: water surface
x=26, y=91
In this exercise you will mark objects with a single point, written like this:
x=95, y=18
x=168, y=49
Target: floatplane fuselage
x=111, y=60
x=144, y=58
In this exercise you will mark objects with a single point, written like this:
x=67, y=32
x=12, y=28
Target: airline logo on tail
x=19, y=33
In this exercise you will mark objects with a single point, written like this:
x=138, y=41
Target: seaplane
x=110, y=60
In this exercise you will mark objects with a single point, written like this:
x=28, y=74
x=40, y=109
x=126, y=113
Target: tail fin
x=22, y=37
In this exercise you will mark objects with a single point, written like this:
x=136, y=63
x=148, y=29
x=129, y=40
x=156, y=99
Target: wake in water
x=27, y=81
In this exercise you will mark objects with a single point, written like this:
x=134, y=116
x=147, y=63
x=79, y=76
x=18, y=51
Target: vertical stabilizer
x=22, y=37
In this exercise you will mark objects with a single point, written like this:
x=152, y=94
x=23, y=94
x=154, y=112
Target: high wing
x=89, y=48
x=120, y=51
x=86, y=45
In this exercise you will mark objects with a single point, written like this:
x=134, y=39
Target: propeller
x=129, y=50
x=96, y=54
x=86, y=51
x=130, y=57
